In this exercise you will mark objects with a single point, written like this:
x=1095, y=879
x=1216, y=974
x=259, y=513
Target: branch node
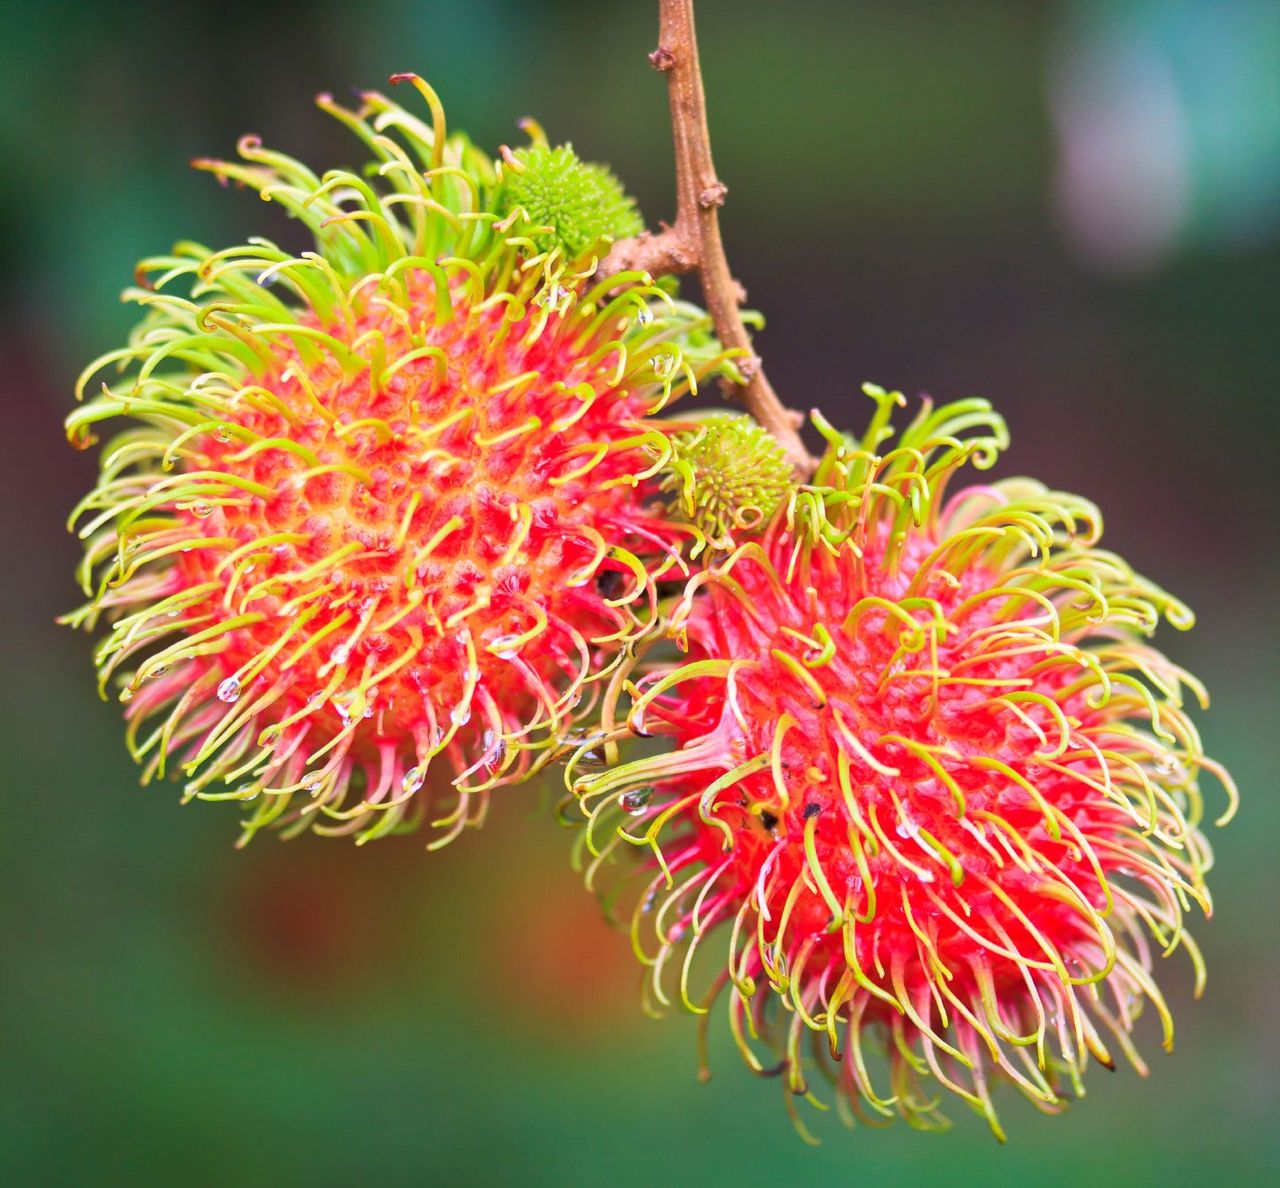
x=662, y=59
x=713, y=195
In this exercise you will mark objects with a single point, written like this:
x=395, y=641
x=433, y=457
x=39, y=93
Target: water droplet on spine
x=222, y=434
x=202, y=510
x=229, y=690
x=495, y=750
x=505, y=647
x=414, y=778
x=553, y=297
x=636, y=801
x=460, y=715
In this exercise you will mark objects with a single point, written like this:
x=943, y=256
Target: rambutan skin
x=384, y=501
x=922, y=776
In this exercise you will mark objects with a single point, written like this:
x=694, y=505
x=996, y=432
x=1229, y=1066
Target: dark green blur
x=177, y=1012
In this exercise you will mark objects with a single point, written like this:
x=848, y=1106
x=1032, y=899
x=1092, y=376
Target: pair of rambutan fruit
x=882, y=763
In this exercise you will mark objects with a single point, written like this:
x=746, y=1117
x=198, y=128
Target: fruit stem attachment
x=693, y=243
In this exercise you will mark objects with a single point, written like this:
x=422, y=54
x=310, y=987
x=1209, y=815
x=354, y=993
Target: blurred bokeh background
x=1072, y=208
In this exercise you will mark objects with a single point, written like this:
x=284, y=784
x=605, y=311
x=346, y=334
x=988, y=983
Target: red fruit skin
x=436, y=564
x=386, y=504
x=928, y=787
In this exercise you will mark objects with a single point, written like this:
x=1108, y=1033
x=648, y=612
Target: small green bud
x=584, y=203
x=729, y=476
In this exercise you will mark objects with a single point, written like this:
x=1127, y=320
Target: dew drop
x=202, y=510
x=342, y=653
x=222, y=433
x=644, y=315
x=663, y=364
x=414, y=778
x=637, y=800
x=554, y=297
x=229, y=690
x=158, y=671
x=505, y=647
x=311, y=782
x=495, y=750
x=460, y=715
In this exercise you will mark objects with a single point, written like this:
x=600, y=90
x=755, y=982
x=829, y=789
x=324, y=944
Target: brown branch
x=693, y=243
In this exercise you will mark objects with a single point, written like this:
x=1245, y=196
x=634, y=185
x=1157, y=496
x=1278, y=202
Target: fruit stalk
x=693, y=243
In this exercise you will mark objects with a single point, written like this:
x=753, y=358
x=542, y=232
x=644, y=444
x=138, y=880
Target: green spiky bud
x=569, y=203
x=729, y=476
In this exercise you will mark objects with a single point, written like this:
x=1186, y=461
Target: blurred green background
x=1070, y=208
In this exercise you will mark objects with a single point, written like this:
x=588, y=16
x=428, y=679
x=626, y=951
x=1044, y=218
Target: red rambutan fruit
x=923, y=779
x=382, y=501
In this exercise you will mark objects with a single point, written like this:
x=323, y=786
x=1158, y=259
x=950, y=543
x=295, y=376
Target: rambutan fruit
x=383, y=502
x=922, y=777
